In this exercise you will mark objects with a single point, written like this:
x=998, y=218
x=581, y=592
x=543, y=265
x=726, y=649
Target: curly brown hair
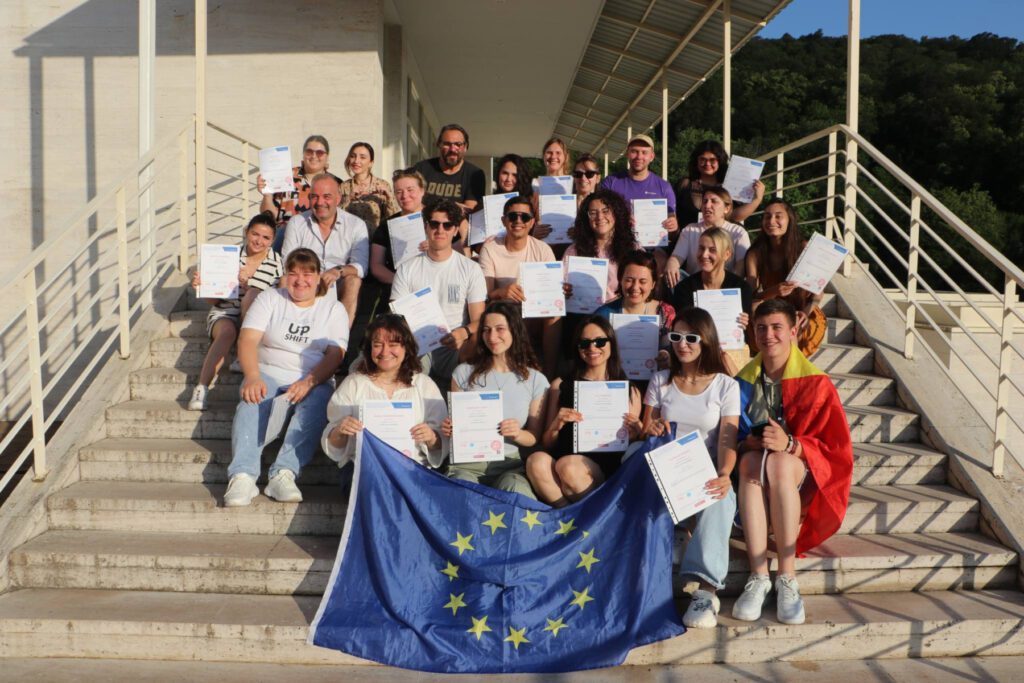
x=519, y=357
x=396, y=329
x=623, y=239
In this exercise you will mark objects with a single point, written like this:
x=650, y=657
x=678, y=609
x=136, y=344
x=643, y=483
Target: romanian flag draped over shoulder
x=441, y=575
x=814, y=415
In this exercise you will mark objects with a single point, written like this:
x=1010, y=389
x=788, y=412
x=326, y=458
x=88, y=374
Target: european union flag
x=442, y=575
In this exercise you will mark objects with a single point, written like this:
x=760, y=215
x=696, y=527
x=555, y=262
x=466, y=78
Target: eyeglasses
x=595, y=213
x=688, y=337
x=707, y=161
x=446, y=225
x=599, y=342
x=318, y=153
x=514, y=216
x=587, y=174
x=456, y=145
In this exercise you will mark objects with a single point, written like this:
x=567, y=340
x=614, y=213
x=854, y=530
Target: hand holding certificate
x=218, y=271
x=682, y=469
x=276, y=169
x=739, y=179
x=725, y=307
x=648, y=216
x=542, y=286
x=422, y=311
x=405, y=233
x=392, y=423
x=487, y=222
x=475, y=419
x=818, y=262
x=558, y=211
x=603, y=406
x=588, y=278
x=638, y=343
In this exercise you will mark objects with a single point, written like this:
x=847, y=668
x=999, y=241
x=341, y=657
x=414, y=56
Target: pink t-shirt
x=612, y=291
x=503, y=265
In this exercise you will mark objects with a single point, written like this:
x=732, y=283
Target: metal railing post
x=35, y=380
x=183, y=201
x=830, y=187
x=1003, y=388
x=122, y=275
x=915, y=240
x=245, y=183
x=850, y=205
x=780, y=162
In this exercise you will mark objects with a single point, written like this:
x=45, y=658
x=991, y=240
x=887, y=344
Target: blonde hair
x=723, y=243
x=567, y=164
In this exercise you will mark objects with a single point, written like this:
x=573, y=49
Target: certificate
x=648, y=216
x=589, y=279
x=817, y=264
x=487, y=222
x=739, y=179
x=558, y=211
x=276, y=169
x=542, y=285
x=555, y=184
x=218, y=271
x=638, y=343
x=725, y=307
x=602, y=405
x=475, y=419
x=682, y=468
x=422, y=311
x=392, y=423
x=406, y=233
x=280, y=409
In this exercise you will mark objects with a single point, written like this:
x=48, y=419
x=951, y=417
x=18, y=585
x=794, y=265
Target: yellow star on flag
x=455, y=602
x=565, y=527
x=479, y=627
x=585, y=533
x=516, y=636
x=587, y=560
x=555, y=626
x=530, y=519
x=462, y=543
x=582, y=597
x=495, y=522
x=451, y=571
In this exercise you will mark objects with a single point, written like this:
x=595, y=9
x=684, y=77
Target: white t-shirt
x=295, y=338
x=702, y=412
x=689, y=243
x=457, y=280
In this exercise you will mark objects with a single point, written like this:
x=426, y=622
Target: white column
x=200, y=85
x=147, y=118
x=664, y=129
x=606, y=162
x=852, y=119
x=727, y=75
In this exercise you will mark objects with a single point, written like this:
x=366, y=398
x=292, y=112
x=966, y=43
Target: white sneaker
x=235, y=366
x=282, y=487
x=748, y=606
x=789, y=605
x=241, y=490
x=198, y=400
x=703, y=610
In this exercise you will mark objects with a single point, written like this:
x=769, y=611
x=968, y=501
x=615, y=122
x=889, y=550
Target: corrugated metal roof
x=636, y=46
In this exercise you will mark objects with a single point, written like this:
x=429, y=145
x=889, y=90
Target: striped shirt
x=265, y=277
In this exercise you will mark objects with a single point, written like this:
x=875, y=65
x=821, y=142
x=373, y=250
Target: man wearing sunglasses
x=637, y=181
x=796, y=461
x=456, y=279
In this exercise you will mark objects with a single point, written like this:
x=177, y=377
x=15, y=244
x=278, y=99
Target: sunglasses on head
x=599, y=342
x=447, y=225
x=588, y=174
x=688, y=337
x=523, y=216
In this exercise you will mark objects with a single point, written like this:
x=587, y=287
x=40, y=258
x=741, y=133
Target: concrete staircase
x=141, y=562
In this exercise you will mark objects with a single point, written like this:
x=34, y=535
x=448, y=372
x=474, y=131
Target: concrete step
x=180, y=460
x=909, y=509
x=159, y=384
x=842, y=358
x=263, y=564
x=897, y=463
x=215, y=627
x=857, y=389
x=881, y=424
x=161, y=507
x=840, y=331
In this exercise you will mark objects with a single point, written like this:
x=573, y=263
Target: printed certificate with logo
x=648, y=216
x=818, y=262
x=218, y=271
x=542, y=284
x=589, y=279
x=405, y=233
x=682, y=468
x=391, y=422
x=475, y=419
x=725, y=307
x=638, y=343
x=276, y=169
x=423, y=313
x=603, y=405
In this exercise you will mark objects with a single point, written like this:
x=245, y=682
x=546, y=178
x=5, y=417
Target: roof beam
x=610, y=97
x=740, y=14
x=617, y=77
x=593, y=106
x=647, y=60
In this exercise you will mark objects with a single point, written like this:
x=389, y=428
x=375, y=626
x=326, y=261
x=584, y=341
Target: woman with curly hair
x=388, y=369
x=504, y=362
x=604, y=230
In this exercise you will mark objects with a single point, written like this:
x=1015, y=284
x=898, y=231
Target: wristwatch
x=791, y=446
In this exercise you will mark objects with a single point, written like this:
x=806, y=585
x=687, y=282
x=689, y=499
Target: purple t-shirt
x=651, y=187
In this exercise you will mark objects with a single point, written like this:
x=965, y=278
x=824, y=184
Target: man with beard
x=637, y=182
x=449, y=175
x=340, y=239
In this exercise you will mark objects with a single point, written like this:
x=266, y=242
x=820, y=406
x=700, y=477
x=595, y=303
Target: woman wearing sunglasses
x=560, y=475
x=282, y=206
x=695, y=393
x=586, y=176
x=504, y=362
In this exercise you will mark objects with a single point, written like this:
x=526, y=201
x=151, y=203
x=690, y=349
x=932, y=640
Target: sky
x=913, y=18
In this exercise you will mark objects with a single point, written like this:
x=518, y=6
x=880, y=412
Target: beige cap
x=642, y=140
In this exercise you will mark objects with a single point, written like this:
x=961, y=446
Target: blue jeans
x=301, y=436
x=707, y=554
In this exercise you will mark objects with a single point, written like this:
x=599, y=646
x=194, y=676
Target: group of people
x=774, y=428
